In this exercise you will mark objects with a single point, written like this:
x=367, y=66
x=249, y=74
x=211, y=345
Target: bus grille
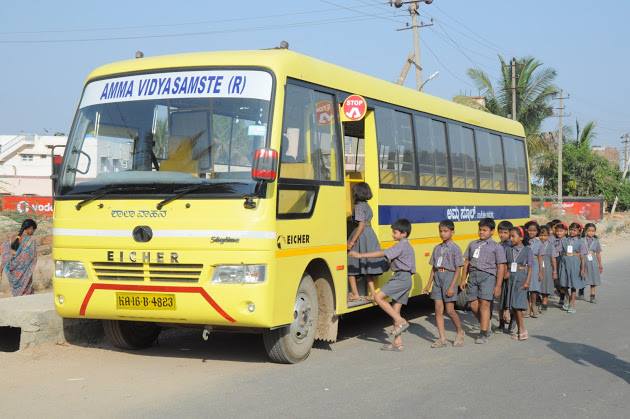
x=157, y=272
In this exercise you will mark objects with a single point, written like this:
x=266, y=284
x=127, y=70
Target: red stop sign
x=354, y=107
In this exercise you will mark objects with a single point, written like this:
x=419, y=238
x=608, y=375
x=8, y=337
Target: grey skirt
x=398, y=287
x=517, y=299
x=367, y=242
x=547, y=285
x=593, y=277
x=534, y=282
x=570, y=276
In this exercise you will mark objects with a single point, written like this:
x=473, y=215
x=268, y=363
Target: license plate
x=142, y=301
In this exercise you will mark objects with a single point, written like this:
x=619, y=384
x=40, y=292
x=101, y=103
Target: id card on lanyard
x=514, y=264
x=477, y=251
x=589, y=257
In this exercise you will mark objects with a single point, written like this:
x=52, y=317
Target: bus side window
x=463, y=159
x=516, y=165
x=310, y=147
x=491, y=169
x=432, y=154
x=396, y=154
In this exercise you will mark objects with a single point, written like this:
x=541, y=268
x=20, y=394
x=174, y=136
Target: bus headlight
x=239, y=274
x=70, y=269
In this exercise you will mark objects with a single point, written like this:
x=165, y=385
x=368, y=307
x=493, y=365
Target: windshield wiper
x=98, y=193
x=106, y=190
x=190, y=189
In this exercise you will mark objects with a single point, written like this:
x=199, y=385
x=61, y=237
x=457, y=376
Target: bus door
x=359, y=137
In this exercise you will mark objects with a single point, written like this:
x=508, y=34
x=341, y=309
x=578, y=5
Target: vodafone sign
x=354, y=107
x=28, y=204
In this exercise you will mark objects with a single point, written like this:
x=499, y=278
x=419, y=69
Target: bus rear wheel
x=131, y=335
x=292, y=343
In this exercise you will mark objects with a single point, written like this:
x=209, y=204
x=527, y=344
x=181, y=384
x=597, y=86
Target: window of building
x=395, y=147
x=491, y=170
x=432, y=152
x=516, y=165
x=310, y=147
x=463, y=159
x=26, y=157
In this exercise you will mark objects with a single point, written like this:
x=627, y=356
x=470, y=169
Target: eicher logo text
x=142, y=257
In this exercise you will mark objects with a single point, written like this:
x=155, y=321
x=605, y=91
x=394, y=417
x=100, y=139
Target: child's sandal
x=440, y=343
x=392, y=348
x=459, y=342
x=523, y=336
x=398, y=330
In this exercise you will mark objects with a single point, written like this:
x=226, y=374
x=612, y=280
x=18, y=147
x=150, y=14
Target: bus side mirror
x=57, y=161
x=265, y=165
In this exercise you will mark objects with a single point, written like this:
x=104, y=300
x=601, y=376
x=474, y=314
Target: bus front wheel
x=292, y=343
x=131, y=335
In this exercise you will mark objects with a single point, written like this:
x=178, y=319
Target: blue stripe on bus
x=387, y=214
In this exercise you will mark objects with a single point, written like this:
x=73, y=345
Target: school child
x=559, y=233
x=548, y=268
x=520, y=260
x=571, y=268
x=363, y=240
x=484, y=269
x=503, y=229
x=402, y=261
x=532, y=230
x=592, y=259
x=446, y=268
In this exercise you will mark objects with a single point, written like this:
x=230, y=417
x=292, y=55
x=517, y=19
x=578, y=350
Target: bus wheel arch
x=328, y=320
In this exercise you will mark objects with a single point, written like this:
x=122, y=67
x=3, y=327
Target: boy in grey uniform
x=446, y=262
x=484, y=269
x=403, y=262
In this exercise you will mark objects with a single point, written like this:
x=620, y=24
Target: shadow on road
x=583, y=354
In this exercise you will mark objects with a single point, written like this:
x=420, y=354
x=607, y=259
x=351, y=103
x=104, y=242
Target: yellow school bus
x=215, y=191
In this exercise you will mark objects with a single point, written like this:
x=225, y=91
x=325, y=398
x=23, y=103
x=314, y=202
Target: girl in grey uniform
x=533, y=230
x=593, y=259
x=403, y=262
x=363, y=240
x=559, y=233
x=571, y=268
x=548, y=269
x=520, y=260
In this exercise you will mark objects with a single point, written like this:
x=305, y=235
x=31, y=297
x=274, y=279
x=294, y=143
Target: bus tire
x=292, y=343
x=131, y=335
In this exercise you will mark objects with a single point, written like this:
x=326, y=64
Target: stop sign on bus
x=354, y=107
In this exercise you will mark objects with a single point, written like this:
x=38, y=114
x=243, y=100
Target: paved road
x=572, y=366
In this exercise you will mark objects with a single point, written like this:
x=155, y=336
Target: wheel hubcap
x=302, y=321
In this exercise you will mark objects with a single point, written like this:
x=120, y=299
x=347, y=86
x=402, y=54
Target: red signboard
x=354, y=107
x=589, y=209
x=324, y=112
x=36, y=205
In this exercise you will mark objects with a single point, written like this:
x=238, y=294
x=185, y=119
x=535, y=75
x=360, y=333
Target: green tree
x=534, y=90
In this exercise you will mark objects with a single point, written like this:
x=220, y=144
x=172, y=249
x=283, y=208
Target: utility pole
x=414, y=58
x=560, y=115
x=626, y=141
x=513, y=65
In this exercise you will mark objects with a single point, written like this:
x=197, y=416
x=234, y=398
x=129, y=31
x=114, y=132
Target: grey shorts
x=398, y=287
x=481, y=286
x=441, y=283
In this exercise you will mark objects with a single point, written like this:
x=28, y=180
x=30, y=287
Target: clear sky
x=585, y=41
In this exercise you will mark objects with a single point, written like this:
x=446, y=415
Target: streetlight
x=431, y=77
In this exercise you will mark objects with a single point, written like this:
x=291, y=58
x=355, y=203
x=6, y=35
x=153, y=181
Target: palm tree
x=534, y=91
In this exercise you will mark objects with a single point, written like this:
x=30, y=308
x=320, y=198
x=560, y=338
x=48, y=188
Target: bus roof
x=292, y=64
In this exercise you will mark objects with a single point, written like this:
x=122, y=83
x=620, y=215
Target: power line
x=184, y=34
x=166, y=25
x=448, y=70
x=354, y=10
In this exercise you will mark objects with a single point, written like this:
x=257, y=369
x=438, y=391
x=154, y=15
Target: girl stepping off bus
x=363, y=240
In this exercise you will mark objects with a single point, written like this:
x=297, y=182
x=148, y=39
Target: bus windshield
x=168, y=130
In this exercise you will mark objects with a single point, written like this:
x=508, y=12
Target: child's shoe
x=566, y=306
x=481, y=339
x=593, y=300
x=571, y=310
